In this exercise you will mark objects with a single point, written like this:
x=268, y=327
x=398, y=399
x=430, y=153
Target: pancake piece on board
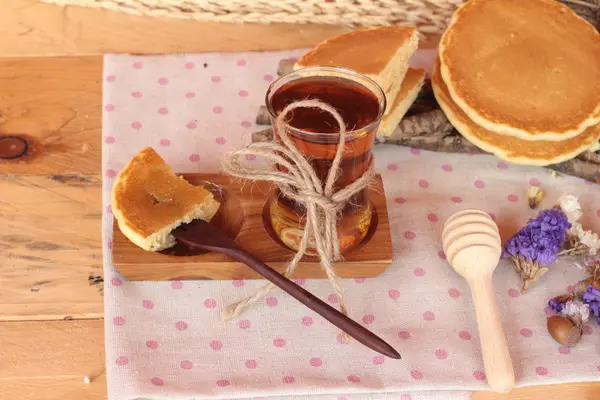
x=149, y=201
x=411, y=85
x=381, y=53
x=524, y=68
x=507, y=147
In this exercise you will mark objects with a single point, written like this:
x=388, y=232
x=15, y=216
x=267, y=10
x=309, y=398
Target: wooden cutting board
x=243, y=215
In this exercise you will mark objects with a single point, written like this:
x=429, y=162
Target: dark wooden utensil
x=202, y=235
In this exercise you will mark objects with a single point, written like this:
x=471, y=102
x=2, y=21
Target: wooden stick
x=455, y=143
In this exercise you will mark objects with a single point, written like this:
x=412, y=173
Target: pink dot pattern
x=428, y=316
x=378, y=360
x=196, y=111
x=244, y=324
x=176, y=285
x=122, y=361
x=416, y=375
x=216, y=345
x=272, y=301
x=157, y=381
x=181, y=325
x=404, y=335
x=186, y=364
x=441, y=354
x=526, y=332
x=368, y=319
x=152, y=344
x=465, y=335
x=210, y=303
x=479, y=375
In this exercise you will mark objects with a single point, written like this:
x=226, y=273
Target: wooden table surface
x=51, y=305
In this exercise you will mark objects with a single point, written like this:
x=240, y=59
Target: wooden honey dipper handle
x=496, y=357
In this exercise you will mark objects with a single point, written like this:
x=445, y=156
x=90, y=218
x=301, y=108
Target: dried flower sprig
x=592, y=298
x=534, y=197
x=537, y=245
x=579, y=241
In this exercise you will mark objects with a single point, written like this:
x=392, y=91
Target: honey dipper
x=472, y=245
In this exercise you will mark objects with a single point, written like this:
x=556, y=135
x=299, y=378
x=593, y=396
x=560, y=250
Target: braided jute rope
x=428, y=16
x=301, y=184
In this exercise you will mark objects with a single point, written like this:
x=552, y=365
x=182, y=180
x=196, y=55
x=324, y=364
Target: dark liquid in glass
x=316, y=136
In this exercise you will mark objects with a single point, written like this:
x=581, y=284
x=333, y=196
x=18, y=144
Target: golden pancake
x=409, y=90
x=149, y=201
x=507, y=147
x=381, y=53
x=524, y=68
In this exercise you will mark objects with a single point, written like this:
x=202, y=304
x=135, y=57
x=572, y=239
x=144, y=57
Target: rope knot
x=300, y=183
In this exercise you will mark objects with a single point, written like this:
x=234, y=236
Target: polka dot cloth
x=165, y=339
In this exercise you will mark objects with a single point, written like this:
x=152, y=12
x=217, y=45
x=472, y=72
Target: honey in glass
x=315, y=132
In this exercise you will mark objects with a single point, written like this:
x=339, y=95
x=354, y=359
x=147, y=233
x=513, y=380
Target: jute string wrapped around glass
x=322, y=177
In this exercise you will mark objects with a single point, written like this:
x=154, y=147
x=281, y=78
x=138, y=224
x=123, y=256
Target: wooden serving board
x=243, y=216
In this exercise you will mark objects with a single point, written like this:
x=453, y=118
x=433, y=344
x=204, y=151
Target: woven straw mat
x=429, y=16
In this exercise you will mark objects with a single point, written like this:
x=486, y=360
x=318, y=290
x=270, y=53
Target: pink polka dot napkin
x=165, y=340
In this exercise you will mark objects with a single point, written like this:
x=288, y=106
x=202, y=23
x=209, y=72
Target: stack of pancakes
x=521, y=79
x=381, y=53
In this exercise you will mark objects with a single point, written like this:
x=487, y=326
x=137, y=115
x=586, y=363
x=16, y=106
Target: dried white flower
x=569, y=204
x=591, y=240
x=574, y=307
x=587, y=238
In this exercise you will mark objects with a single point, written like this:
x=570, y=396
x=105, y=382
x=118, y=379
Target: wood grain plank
x=32, y=28
x=50, y=245
x=55, y=104
x=48, y=360
x=579, y=391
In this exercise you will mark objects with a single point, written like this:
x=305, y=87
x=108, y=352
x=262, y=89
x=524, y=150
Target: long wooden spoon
x=201, y=235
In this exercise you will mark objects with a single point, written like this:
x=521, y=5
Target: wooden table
x=51, y=309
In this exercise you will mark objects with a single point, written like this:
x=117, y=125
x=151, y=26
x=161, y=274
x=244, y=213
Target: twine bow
x=301, y=184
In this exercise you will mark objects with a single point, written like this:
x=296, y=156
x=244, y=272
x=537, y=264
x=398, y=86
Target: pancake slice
x=523, y=68
x=149, y=201
x=507, y=147
x=381, y=53
x=411, y=85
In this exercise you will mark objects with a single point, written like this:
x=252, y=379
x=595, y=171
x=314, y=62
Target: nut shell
x=564, y=331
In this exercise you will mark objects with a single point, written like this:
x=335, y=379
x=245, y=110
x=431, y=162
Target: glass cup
x=361, y=103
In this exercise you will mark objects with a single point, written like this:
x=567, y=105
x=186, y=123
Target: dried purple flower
x=537, y=245
x=592, y=298
x=556, y=305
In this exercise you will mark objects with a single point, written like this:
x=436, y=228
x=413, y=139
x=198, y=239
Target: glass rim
x=344, y=73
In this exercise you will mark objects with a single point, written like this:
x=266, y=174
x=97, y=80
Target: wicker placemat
x=429, y=16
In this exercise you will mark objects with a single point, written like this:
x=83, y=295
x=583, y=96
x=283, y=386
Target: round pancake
x=524, y=68
x=506, y=147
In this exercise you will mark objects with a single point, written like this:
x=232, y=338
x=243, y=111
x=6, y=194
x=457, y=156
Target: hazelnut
x=564, y=331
